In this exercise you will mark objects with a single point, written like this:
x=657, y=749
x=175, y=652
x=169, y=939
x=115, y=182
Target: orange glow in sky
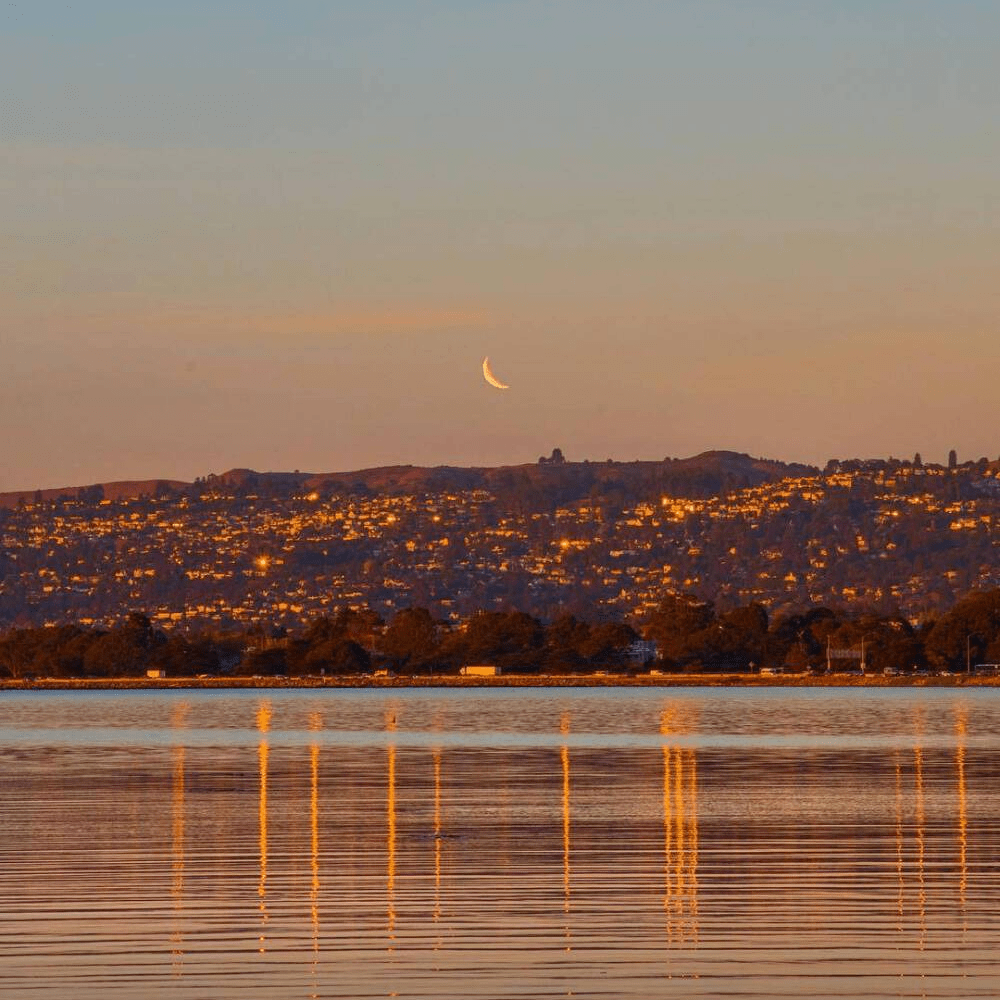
x=287, y=238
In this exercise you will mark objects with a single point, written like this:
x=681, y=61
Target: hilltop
x=554, y=479
x=551, y=479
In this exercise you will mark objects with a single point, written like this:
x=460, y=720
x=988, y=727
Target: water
x=496, y=843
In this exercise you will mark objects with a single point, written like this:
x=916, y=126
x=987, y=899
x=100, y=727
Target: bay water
x=495, y=843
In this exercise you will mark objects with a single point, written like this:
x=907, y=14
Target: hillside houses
x=880, y=535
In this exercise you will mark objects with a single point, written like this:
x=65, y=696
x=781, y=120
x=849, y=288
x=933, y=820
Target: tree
x=180, y=655
x=739, y=638
x=362, y=625
x=889, y=641
x=411, y=639
x=267, y=662
x=675, y=622
x=52, y=651
x=323, y=630
x=608, y=644
x=965, y=632
x=563, y=640
x=799, y=640
x=511, y=639
x=338, y=656
x=124, y=650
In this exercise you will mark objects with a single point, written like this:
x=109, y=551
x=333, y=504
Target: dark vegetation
x=691, y=636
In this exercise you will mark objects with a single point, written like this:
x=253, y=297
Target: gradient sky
x=284, y=236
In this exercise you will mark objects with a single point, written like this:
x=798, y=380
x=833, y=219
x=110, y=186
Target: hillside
x=126, y=489
x=598, y=539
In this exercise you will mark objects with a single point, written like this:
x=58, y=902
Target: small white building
x=643, y=651
x=156, y=675
x=480, y=670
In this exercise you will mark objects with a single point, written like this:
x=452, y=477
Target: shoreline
x=513, y=681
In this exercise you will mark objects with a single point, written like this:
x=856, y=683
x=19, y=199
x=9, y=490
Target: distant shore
x=510, y=681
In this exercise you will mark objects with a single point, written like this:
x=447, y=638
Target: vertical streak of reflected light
x=178, y=822
x=390, y=837
x=680, y=836
x=668, y=832
x=692, y=877
x=963, y=841
x=315, y=723
x=263, y=750
x=679, y=818
x=668, y=836
x=177, y=841
x=564, y=757
x=919, y=820
x=899, y=843
x=437, y=834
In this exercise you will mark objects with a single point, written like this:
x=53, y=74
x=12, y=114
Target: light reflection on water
x=635, y=843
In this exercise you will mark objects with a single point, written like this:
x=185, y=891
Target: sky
x=285, y=236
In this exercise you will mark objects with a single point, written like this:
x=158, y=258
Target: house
x=156, y=675
x=642, y=651
x=480, y=670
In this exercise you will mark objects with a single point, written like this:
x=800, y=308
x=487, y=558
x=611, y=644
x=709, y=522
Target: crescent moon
x=490, y=377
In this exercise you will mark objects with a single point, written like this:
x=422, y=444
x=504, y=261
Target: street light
x=968, y=651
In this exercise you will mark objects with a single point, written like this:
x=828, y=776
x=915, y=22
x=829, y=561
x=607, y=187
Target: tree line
x=690, y=635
